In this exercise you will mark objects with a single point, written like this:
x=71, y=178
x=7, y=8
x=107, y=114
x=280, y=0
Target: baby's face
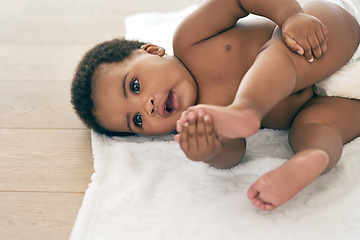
x=144, y=94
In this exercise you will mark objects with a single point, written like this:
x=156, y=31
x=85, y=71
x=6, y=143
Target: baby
x=242, y=74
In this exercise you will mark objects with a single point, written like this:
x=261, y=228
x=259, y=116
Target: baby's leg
x=271, y=79
x=317, y=136
x=277, y=72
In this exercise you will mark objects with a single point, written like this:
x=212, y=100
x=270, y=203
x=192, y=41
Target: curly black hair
x=112, y=51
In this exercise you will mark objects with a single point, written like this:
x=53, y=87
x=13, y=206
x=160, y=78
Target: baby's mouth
x=170, y=105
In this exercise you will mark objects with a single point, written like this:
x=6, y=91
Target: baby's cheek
x=163, y=127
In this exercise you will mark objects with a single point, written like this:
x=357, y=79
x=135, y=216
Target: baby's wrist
x=283, y=16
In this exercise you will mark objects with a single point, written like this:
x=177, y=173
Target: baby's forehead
x=104, y=71
x=105, y=68
x=121, y=67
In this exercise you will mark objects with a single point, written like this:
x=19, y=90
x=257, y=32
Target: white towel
x=346, y=81
x=145, y=188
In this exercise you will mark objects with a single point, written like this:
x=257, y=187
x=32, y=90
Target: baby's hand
x=305, y=34
x=183, y=119
x=197, y=136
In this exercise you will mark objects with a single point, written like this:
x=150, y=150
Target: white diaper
x=346, y=81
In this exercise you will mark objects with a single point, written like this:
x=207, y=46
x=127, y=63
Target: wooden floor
x=45, y=151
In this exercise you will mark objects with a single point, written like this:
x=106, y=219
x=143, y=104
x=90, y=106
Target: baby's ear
x=153, y=49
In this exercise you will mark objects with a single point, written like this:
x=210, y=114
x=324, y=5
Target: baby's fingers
x=307, y=50
x=183, y=139
x=292, y=44
x=210, y=131
x=177, y=138
x=188, y=140
x=318, y=43
x=191, y=131
x=300, y=45
x=323, y=37
x=181, y=121
x=315, y=47
x=201, y=131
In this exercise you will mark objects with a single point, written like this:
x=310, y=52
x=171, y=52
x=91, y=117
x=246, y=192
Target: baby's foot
x=281, y=184
x=230, y=122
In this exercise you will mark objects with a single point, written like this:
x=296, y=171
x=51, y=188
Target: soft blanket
x=145, y=188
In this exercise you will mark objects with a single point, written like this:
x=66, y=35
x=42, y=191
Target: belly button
x=228, y=47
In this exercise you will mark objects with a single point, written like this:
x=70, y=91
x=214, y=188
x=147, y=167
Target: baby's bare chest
x=220, y=63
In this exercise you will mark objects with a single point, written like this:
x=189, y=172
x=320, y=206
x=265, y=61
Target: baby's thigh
x=341, y=114
x=343, y=28
x=343, y=40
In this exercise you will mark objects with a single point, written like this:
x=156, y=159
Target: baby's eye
x=135, y=86
x=138, y=120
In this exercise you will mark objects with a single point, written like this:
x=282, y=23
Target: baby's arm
x=199, y=142
x=302, y=33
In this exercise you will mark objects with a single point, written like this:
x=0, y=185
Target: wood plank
x=45, y=160
x=94, y=8
x=59, y=30
x=44, y=62
x=37, y=105
x=38, y=216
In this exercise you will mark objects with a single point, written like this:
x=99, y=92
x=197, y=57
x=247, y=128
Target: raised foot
x=230, y=122
x=281, y=184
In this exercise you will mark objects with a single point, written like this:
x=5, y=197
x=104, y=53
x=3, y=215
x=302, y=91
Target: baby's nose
x=150, y=106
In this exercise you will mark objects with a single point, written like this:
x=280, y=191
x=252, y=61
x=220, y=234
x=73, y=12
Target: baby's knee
x=338, y=115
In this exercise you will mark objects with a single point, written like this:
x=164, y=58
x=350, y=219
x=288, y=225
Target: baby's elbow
x=232, y=154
